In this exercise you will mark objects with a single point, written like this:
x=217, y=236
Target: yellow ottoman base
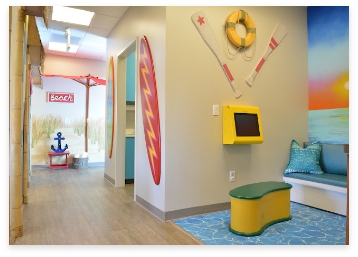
x=255, y=207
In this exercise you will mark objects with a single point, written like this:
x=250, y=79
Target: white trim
x=318, y=195
x=316, y=184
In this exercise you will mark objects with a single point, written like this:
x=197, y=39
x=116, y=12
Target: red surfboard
x=150, y=109
x=110, y=107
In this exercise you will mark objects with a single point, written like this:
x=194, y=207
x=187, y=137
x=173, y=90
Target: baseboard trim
x=129, y=181
x=70, y=165
x=41, y=166
x=177, y=214
x=110, y=180
x=197, y=210
x=154, y=210
x=96, y=164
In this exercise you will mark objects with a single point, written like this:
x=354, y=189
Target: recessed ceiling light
x=55, y=46
x=72, y=15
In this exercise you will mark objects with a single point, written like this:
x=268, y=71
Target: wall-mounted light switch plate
x=232, y=176
x=215, y=110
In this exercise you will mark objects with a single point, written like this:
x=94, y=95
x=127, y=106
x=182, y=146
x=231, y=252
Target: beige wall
x=195, y=163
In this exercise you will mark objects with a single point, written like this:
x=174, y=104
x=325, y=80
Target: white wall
x=195, y=163
x=138, y=22
x=61, y=65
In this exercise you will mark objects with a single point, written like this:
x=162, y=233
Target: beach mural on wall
x=328, y=69
x=49, y=118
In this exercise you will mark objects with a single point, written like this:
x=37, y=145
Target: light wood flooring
x=80, y=207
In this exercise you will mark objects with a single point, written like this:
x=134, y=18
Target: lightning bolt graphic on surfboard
x=148, y=111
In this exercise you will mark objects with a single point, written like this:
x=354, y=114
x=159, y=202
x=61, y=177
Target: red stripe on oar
x=273, y=41
x=228, y=73
x=260, y=64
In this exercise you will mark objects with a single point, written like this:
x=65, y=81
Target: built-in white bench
x=328, y=191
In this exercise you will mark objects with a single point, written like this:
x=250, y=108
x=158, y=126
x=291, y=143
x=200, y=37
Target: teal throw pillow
x=304, y=160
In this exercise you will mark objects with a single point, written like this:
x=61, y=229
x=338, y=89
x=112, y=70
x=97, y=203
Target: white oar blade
x=280, y=32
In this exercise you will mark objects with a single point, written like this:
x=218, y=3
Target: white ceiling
x=91, y=39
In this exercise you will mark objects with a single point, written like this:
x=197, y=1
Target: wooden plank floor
x=80, y=207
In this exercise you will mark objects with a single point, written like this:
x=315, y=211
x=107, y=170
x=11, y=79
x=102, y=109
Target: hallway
x=80, y=207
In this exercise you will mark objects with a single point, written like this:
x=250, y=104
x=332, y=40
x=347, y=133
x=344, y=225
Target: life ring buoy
x=249, y=23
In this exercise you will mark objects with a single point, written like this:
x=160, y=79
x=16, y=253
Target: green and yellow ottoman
x=254, y=207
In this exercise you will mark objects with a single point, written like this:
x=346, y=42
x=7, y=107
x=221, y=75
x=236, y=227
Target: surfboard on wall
x=150, y=109
x=110, y=107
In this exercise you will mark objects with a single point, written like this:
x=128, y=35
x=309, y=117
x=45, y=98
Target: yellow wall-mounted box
x=242, y=125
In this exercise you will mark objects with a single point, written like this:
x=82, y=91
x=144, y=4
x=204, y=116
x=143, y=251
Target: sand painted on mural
x=43, y=138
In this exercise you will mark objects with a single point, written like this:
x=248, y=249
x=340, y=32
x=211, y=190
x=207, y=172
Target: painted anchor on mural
x=59, y=138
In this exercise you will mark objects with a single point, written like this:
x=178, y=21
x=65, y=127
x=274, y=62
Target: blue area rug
x=308, y=226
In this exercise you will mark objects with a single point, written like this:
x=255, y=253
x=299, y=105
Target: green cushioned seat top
x=258, y=190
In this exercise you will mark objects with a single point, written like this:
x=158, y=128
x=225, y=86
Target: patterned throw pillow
x=304, y=160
